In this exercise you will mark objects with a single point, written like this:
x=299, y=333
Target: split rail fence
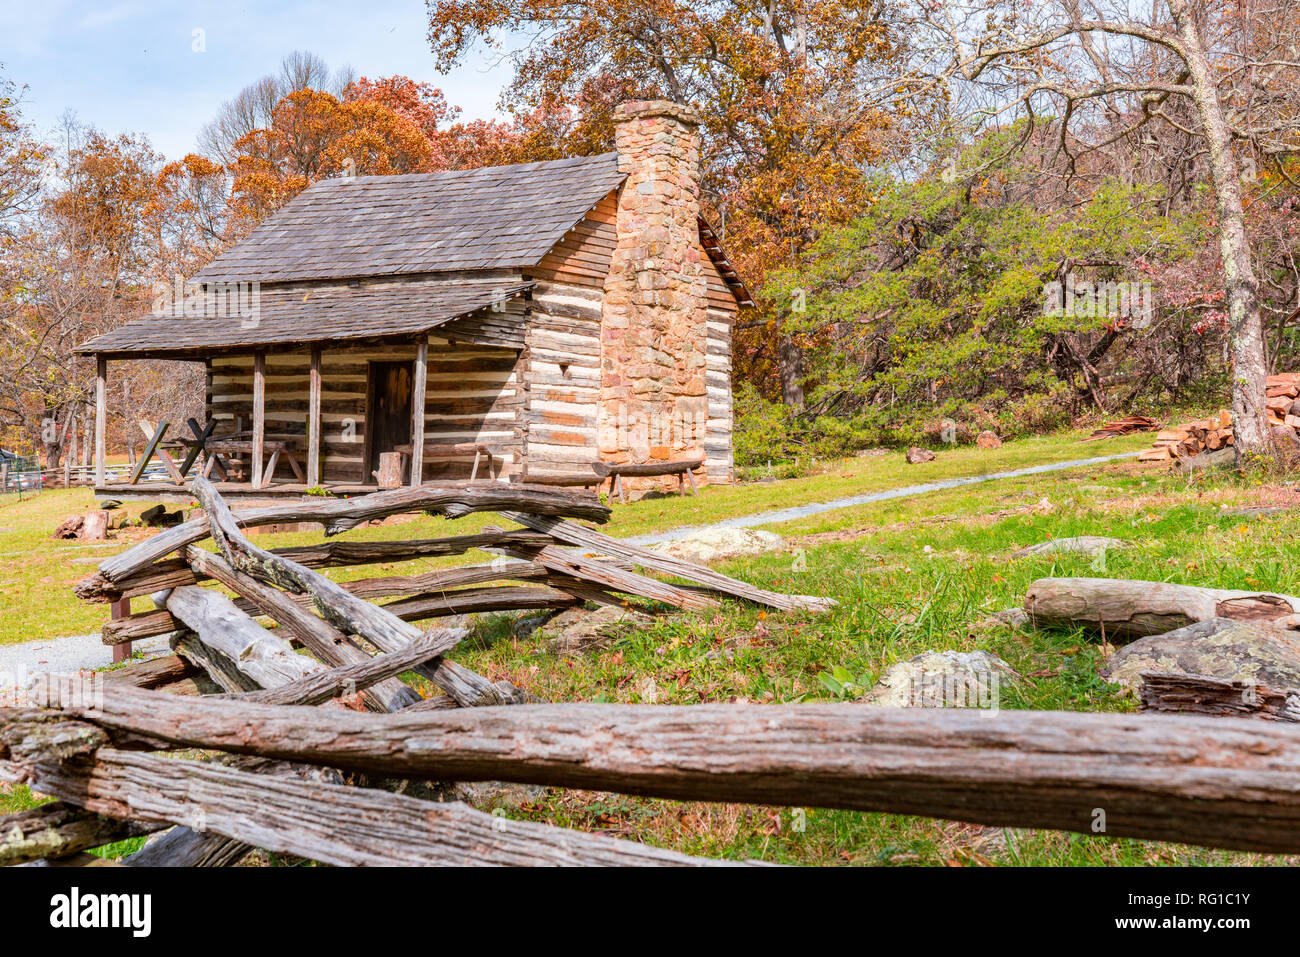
x=241, y=740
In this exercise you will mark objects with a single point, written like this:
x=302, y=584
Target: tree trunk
x=1246, y=330
x=790, y=366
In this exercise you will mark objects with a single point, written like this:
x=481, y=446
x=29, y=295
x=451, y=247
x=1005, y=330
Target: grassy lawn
x=911, y=575
x=37, y=572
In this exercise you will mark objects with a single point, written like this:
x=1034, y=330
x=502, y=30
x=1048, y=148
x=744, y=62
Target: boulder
x=1085, y=544
x=1007, y=618
x=944, y=679
x=988, y=440
x=1218, y=647
x=714, y=544
x=915, y=456
x=579, y=631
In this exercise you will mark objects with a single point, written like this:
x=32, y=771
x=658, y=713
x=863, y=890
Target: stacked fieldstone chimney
x=654, y=402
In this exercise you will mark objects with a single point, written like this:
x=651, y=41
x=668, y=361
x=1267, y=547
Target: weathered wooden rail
x=291, y=636
x=287, y=714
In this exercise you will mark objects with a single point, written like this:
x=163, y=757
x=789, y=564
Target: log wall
x=562, y=366
x=563, y=346
x=472, y=394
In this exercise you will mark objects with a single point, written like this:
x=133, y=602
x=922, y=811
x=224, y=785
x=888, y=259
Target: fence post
x=121, y=609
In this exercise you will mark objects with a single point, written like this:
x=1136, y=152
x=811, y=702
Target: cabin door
x=388, y=412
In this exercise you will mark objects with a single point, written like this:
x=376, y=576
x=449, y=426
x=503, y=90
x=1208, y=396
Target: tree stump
x=390, y=470
x=95, y=527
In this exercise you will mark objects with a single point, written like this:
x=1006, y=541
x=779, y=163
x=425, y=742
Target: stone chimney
x=654, y=401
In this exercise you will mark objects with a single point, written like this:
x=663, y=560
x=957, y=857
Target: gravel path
x=773, y=516
x=75, y=652
x=18, y=663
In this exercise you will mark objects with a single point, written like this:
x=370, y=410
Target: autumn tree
x=1221, y=74
x=76, y=266
x=787, y=129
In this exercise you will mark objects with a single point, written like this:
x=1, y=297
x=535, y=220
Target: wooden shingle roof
x=289, y=315
x=488, y=218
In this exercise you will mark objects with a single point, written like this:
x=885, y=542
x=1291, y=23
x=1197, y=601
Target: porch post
x=101, y=415
x=417, y=410
x=259, y=416
x=313, y=420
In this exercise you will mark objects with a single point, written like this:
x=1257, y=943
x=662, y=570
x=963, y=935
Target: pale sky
x=129, y=65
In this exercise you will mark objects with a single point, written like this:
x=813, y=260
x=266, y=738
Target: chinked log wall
x=473, y=394
x=563, y=355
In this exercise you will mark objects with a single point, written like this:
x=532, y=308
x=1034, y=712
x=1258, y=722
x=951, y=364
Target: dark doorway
x=388, y=411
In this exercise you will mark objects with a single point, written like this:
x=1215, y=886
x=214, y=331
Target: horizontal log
x=333, y=824
x=57, y=830
x=1126, y=608
x=170, y=573
x=156, y=671
x=339, y=515
x=470, y=601
x=1218, y=782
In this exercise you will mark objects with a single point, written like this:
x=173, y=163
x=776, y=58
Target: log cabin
x=514, y=323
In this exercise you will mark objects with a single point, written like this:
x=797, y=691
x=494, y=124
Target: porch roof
x=291, y=316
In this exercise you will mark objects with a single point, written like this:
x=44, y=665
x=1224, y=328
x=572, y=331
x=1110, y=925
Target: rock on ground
x=944, y=679
x=1007, y=618
x=988, y=440
x=1220, y=648
x=1087, y=544
x=713, y=544
x=915, y=456
x=578, y=631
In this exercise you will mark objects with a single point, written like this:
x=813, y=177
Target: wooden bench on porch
x=476, y=449
x=682, y=468
x=220, y=450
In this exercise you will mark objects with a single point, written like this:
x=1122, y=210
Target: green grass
x=37, y=573
x=910, y=575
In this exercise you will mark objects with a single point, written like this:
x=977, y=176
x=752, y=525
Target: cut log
x=1218, y=782
x=1203, y=694
x=1122, y=608
x=338, y=825
x=154, y=672
x=389, y=474
x=257, y=653
x=95, y=526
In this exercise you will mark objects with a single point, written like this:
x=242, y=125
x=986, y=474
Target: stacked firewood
x=1191, y=438
x=1215, y=433
x=1125, y=426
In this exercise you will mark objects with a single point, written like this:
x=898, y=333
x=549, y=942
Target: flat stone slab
x=1220, y=648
